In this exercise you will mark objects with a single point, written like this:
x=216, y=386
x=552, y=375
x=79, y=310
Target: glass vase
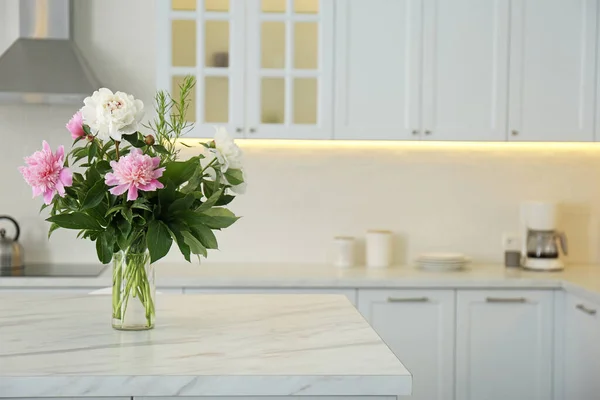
x=133, y=290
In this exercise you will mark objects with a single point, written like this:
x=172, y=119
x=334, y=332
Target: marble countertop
x=202, y=345
x=582, y=279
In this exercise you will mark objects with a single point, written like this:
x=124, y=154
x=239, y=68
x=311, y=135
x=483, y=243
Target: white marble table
x=203, y=345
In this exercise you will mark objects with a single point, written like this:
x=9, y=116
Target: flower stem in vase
x=133, y=291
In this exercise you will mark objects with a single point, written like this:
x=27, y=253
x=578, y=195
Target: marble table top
x=202, y=345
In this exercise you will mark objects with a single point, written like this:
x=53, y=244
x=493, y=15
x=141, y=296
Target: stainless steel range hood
x=44, y=66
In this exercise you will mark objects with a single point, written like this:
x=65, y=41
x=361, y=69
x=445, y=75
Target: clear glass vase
x=133, y=290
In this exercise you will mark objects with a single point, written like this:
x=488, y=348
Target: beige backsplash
x=300, y=195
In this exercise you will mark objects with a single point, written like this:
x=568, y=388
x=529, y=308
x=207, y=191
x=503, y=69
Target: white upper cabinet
x=472, y=70
x=582, y=351
x=289, y=59
x=418, y=326
x=263, y=67
x=465, y=70
x=378, y=69
x=204, y=39
x=504, y=345
x=552, y=70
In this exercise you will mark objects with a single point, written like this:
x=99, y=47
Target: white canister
x=379, y=249
x=343, y=251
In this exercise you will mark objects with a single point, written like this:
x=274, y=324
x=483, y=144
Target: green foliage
x=186, y=211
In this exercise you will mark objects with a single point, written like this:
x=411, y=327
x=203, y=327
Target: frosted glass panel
x=273, y=100
x=191, y=112
x=305, y=101
x=216, y=44
x=216, y=99
x=184, y=43
x=185, y=5
x=216, y=5
x=306, y=6
x=306, y=45
x=273, y=44
x=273, y=6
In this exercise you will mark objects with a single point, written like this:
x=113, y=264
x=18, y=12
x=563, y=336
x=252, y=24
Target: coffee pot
x=11, y=251
x=544, y=246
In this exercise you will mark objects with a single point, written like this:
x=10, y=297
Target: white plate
x=441, y=267
x=444, y=257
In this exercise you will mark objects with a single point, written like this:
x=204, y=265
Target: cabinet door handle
x=415, y=132
x=586, y=310
x=428, y=132
x=506, y=299
x=252, y=130
x=238, y=130
x=514, y=133
x=407, y=299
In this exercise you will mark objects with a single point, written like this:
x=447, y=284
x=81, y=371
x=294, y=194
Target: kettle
x=11, y=251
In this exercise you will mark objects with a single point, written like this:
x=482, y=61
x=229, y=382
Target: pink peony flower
x=133, y=172
x=46, y=174
x=75, y=125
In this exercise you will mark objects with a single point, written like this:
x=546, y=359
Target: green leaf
x=104, y=248
x=175, y=230
x=53, y=227
x=76, y=220
x=185, y=145
x=211, y=201
x=205, y=236
x=128, y=214
x=103, y=167
x=234, y=176
x=182, y=204
x=180, y=171
x=93, y=151
x=142, y=204
x=195, y=245
x=94, y=196
x=218, y=218
x=124, y=227
x=224, y=200
x=158, y=239
x=160, y=149
x=134, y=139
x=86, y=129
x=115, y=209
x=79, y=153
x=44, y=206
x=78, y=178
x=93, y=176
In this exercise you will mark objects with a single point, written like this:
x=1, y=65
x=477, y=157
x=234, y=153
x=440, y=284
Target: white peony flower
x=228, y=154
x=111, y=115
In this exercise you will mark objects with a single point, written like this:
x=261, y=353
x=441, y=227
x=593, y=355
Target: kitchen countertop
x=582, y=280
x=202, y=345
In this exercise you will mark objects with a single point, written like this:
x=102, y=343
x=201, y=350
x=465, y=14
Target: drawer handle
x=408, y=299
x=586, y=310
x=506, y=300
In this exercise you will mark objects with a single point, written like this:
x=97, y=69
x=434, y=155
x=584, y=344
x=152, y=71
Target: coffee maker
x=543, y=246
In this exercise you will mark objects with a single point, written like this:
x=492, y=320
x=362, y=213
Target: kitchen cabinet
x=418, y=326
x=504, y=344
x=378, y=69
x=552, y=70
x=582, y=352
x=349, y=293
x=465, y=70
x=441, y=74
x=263, y=68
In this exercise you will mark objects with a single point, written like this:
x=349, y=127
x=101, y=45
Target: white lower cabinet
x=349, y=293
x=581, y=349
x=418, y=326
x=504, y=344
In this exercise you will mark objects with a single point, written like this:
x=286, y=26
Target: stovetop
x=55, y=270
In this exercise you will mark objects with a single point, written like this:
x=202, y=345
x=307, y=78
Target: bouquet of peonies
x=130, y=193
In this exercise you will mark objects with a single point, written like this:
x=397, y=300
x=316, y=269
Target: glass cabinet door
x=289, y=69
x=205, y=38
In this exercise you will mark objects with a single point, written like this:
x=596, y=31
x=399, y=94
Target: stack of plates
x=442, y=261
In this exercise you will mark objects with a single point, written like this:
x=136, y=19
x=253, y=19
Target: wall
x=301, y=194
